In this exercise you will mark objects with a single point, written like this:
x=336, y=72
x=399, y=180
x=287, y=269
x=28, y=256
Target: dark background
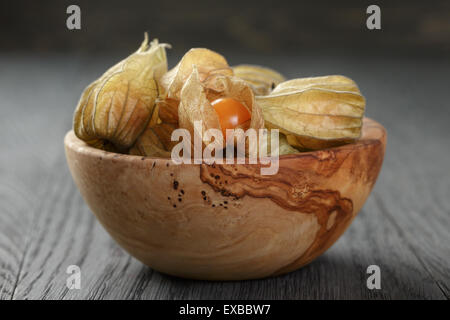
x=263, y=27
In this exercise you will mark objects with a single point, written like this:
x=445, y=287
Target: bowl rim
x=372, y=133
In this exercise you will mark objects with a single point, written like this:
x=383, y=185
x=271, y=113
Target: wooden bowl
x=228, y=222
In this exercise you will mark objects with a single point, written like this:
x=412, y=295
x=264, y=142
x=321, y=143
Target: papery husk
x=116, y=108
x=195, y=106
x=334, y=82
x=233, y=87
x=196, y=97
x=261, y=79
x=155, y=141
x=283, y=146
x=168, y=110
x=315, y=113
x=207, y=62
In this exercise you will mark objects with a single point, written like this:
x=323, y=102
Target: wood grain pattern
x=404, y=226
x=227, y=222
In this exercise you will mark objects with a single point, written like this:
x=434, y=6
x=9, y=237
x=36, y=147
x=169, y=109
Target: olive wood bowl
x=228, y=222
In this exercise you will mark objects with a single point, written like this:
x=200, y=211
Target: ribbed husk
x=155, y=140
x=196, y=97
x=207, y=62
x=315, y=113
x=283, y=145
x=262, y=80
x=115, y=109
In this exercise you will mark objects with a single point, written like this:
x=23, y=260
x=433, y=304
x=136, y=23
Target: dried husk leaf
x=233, y=87
x=285, y=147
x=195, y=106
x=207, y=62
x=155, y=141
x=261, y=79
x=116, y=108
x=168, y=110
x=196, y=100
x=334, y=82
x=315, y=113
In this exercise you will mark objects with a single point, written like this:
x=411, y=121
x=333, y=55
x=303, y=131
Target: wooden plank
x=36, y=97
x=415, y=177
x=23, y=162
x=416, y=205
x=45, y=225
x=109, y=273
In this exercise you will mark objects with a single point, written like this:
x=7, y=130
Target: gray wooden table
x=45, y=226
